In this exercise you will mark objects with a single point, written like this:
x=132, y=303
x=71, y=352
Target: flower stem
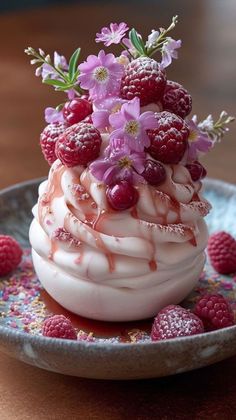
x=126, y=48
x=162, y=37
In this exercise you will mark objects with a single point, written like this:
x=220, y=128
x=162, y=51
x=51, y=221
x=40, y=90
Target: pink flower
x=101, y=75
x=113, y=35
x=51, y=115
x=104, y=108
x=131, y=126
x=169, y=51
x=199, y=142
x=119, y=163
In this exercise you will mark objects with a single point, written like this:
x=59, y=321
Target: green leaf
x=137, y=42
x=76, y=75
x=54, y=82
x=73, y=63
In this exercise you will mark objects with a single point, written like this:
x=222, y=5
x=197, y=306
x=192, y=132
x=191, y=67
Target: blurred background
x=206, y=67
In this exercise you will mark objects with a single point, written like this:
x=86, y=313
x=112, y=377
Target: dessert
x=118, y=230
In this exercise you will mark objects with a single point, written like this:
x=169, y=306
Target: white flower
x=207, y=124
x=152, y=38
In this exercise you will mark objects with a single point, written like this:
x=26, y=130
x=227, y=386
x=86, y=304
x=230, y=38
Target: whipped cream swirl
x=111, y=265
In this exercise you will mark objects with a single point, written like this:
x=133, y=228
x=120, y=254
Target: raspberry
x=175, y=321
x=214, y=311
x=176, y=99
x=122, y=196
x=48, y=139
x=154, y=172
x=79, y=145
x=58, y=326
x=10, y=254
x=196, y=170
x=76, y=110
x=143, y=78
x=169, y=139
x=222, y=252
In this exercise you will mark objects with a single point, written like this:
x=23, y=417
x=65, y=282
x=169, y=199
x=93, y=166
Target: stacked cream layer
x=118, y=266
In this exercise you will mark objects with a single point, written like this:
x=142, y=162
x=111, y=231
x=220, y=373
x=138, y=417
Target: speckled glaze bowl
x=115, y=360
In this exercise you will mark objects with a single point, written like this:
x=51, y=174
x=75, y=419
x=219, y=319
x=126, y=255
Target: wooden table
x=207, y=68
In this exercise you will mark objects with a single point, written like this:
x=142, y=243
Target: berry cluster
x=211, y=312
x=130, y=98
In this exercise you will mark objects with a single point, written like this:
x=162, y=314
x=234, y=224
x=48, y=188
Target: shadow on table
x=202, y=394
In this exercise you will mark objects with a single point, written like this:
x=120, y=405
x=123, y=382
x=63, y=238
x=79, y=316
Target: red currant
x=196, y=170
x=76, y=110
x=122, y=195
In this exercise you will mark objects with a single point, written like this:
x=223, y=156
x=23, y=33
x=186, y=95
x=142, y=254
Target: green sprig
x=68, y=79
x=73, y=71
x=141, y=49
x=137, y=42
x=161, y=40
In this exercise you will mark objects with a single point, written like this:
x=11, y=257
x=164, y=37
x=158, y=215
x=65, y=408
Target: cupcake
x=118, y=230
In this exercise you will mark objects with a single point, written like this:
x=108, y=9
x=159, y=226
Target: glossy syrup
x=98, y=328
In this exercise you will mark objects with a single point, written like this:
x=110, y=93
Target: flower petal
x=99, y=167
x=117, y=120
x=131, y=109
x=100, y=118
x=148, y=120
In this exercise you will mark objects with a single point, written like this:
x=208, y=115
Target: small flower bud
x=34, y=61
x=29, y=51
x=48, y=59
x=41, y=52
x=38, y=71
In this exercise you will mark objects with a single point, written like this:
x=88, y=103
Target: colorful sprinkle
x=22, y=307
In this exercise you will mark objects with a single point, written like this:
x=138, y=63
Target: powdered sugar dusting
x=62, y=235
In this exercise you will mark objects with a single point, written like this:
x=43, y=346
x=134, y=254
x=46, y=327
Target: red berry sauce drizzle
x=24, y=305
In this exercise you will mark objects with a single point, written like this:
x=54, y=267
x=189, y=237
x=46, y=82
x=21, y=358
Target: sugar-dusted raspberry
x=214, y=311
x=58, y=326
x=79, y=145
x=10, y=254
x=196, y=170
x=174, y=321
x=176, y=99
x=144, y=79
x=154, y=172
x=169, y=139
x=122, y=195
x=48, y=139
x=222, y=252
x=76, y=110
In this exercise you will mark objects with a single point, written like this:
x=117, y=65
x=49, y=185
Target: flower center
x=132, y=128
x=116, y=108
x=125, y=162
x=193, y=135
x=101, y=74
